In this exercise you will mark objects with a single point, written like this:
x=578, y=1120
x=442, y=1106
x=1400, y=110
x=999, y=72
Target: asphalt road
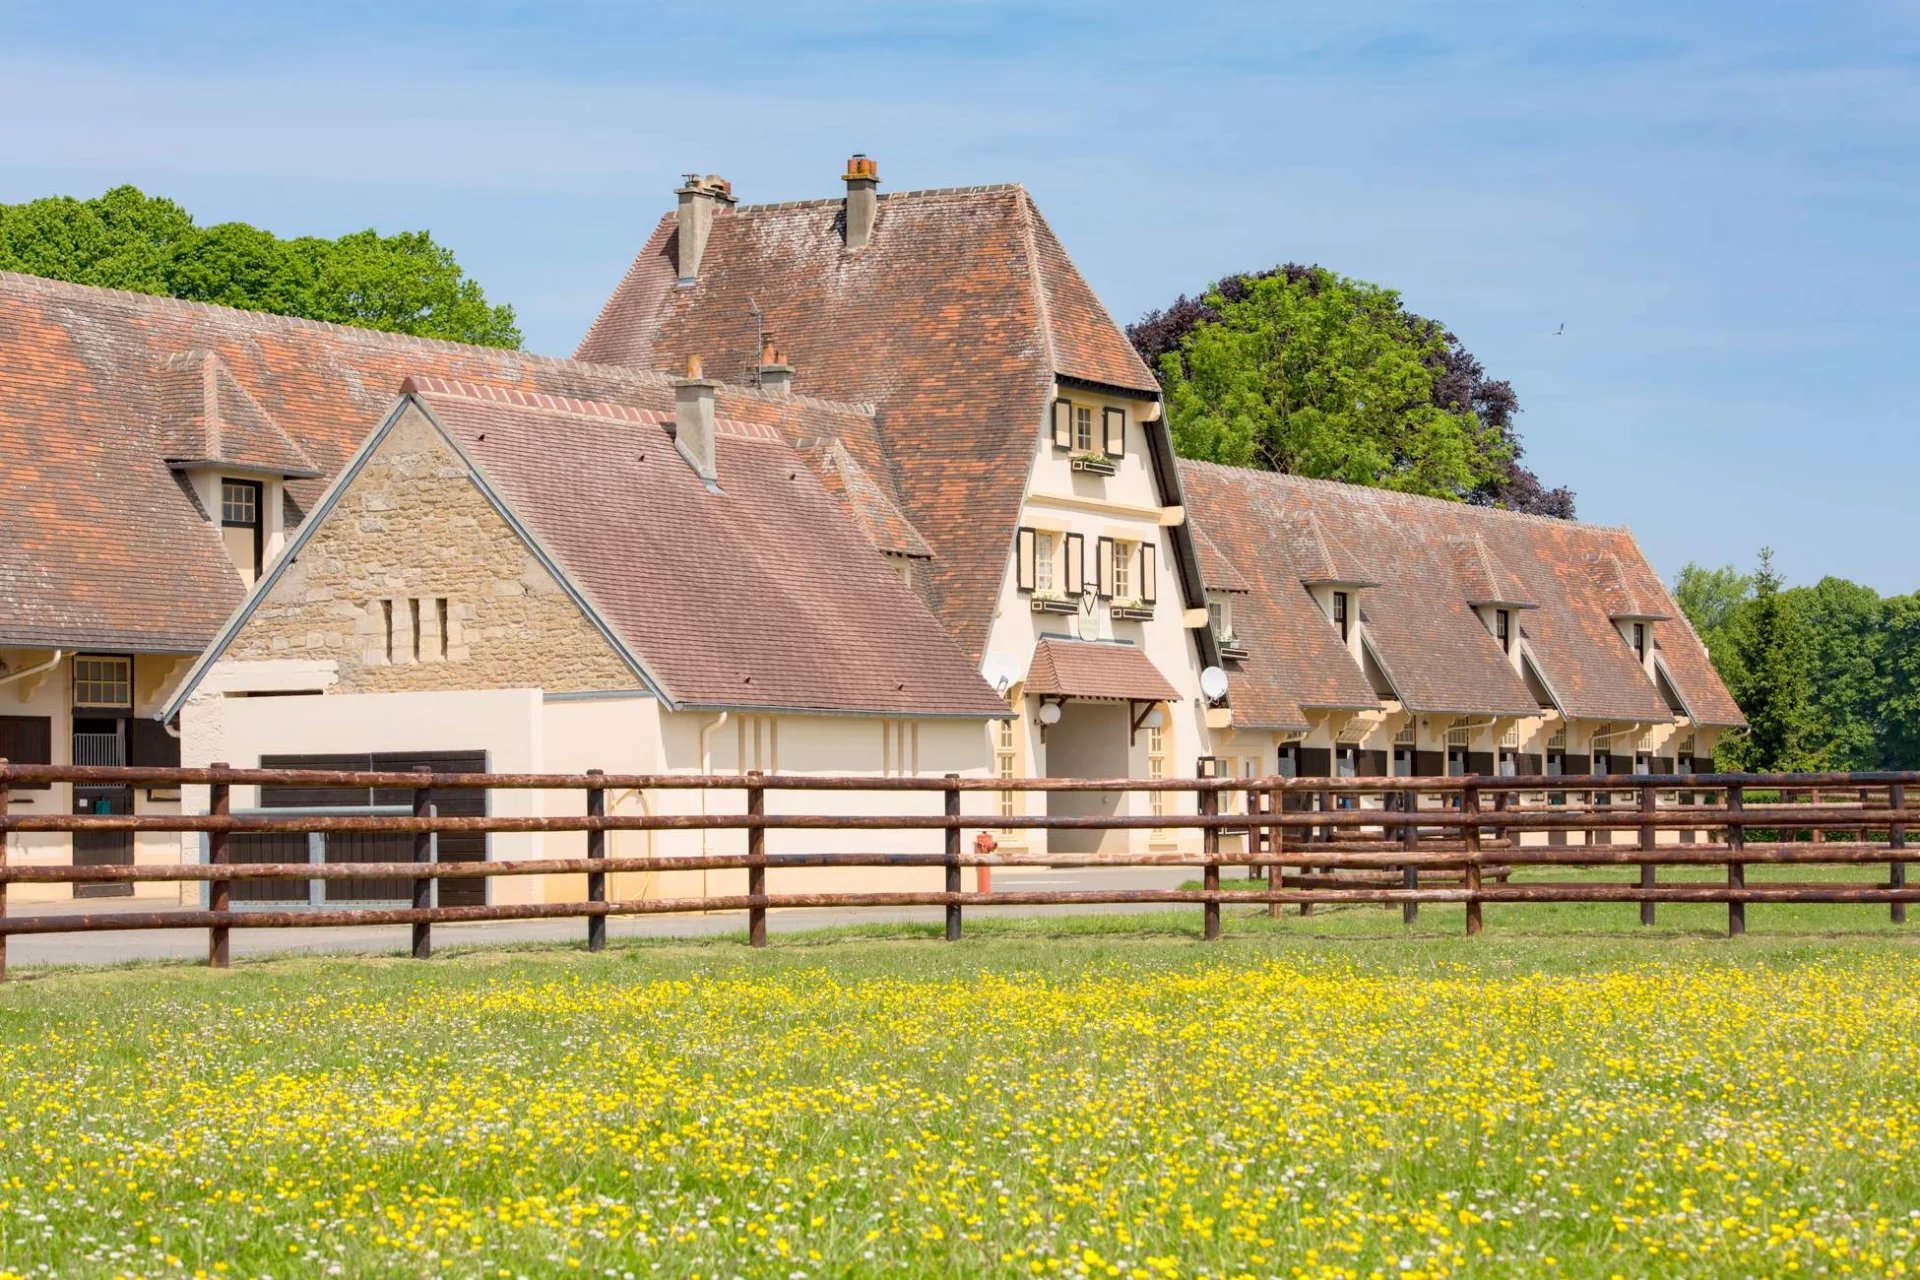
x=28, y=950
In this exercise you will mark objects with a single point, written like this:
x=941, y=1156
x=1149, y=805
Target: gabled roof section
x=953, y=322
x=106, y=548
x=1090, y=669
x=1320, y=559
x=1483, y=579
x=760, y=596
x=1424, y=630
x=206, y=418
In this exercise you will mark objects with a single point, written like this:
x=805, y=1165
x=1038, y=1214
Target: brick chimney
x=693, y=420
x=776, y=375
x=863, y=199
x=699, y=198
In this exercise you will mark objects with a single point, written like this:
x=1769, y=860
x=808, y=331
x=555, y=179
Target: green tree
x=125, y=239
x=1897, y=726
x=1320, y=375
x=1775, y=689
x=1845, y=629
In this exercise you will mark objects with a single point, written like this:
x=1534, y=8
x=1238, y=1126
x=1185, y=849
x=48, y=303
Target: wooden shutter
x=27, y=740
x=1076, y=576
x=150, y=746
x=1023, y=570
x=1149, y=585
x=1063, y=424
x=1103, y=567
x=1113, y=432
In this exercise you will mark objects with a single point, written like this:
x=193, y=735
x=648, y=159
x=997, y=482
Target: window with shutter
x=1063, y=424
x=1113, y=432
x=1123, y=570
x=1043, y=562
x=1149, y=575
x=1023, y=560
x=1103, y=567
x=1076, y=576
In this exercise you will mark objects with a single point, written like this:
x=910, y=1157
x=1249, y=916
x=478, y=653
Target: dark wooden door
x=103, y=848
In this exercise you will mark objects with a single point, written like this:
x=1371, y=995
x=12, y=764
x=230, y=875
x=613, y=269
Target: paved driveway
x=191, y=944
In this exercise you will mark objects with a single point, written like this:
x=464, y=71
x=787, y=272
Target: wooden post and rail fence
x=1315, y=841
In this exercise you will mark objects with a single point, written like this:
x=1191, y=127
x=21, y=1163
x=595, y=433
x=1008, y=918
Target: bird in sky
x=1561, y=330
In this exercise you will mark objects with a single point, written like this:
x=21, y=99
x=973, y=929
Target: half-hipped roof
x=954, y=321
x=1434, y=560
x=106, y=395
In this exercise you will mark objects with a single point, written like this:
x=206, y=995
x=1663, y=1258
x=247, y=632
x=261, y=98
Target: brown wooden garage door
x=454, y=846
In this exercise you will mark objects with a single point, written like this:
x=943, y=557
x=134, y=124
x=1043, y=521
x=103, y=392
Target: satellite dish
x=1213, y=683
x=998, y=670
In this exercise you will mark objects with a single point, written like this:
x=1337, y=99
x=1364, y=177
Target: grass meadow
x=1333, y=1096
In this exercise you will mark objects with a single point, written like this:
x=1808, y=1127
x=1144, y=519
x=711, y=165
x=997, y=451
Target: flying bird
x=1561, y=330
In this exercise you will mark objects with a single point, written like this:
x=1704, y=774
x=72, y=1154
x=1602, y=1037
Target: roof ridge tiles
x=1451, y=504
x=822, y=202
x=546, y=402
x=400, y=341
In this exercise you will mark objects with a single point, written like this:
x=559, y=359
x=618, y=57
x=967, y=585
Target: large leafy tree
x=125, y=239
x=1300, y=369
x=1897, y=722
x=1845, y=631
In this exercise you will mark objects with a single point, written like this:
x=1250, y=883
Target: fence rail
x=1318, y=841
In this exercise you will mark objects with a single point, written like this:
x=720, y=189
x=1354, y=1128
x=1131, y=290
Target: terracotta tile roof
x=1088, y=669
x=759, y=596
x=100, y=545
x=1613, y=584
x=206, y=418
x=1436, y=650
x=953, y=322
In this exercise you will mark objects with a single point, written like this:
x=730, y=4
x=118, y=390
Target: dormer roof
x=205, y=418
x=1484, y=580
x=1320, y=558
x=1616, y=592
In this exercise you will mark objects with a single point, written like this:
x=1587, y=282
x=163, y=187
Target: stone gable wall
x=415, y=582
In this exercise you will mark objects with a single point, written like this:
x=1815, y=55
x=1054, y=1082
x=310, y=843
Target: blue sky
x=1719, y=200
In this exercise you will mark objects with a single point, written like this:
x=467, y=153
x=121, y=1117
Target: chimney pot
x=776, y=375
x=863, y=199
x=693, y=420
x=699, y=199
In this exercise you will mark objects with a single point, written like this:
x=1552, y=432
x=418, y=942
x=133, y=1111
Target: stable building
x=543, y=584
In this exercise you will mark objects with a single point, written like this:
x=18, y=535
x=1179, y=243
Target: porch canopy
x=1086, y=669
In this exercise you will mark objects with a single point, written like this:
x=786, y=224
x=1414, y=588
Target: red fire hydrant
x=984, y=843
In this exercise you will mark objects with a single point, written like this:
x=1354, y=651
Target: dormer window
x=1503, y=629
x=1220, y=617
x=1340, y=614
x=1640, y=641
x=241, y=526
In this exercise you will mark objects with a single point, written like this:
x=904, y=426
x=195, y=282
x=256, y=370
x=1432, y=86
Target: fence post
x=422, y=854
x=1470, y=839
x=1896, y=840
x=1276, y=844
x=1736, y=870
x=219, y=892
x=953, y=856
x=3, y=862
x=1649, y=837
x=1209, y=806
x=757, y=867
x=596, y=852
x=1410, y=841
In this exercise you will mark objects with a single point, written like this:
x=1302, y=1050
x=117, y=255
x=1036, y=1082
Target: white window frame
x=1083, y=428
x=1043, y=575
x=1122, y=553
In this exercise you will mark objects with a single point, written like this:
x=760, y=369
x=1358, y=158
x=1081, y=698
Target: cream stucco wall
x=1123, y=506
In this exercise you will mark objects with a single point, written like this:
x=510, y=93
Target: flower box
x=1054, y=604
x=1094, y=464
